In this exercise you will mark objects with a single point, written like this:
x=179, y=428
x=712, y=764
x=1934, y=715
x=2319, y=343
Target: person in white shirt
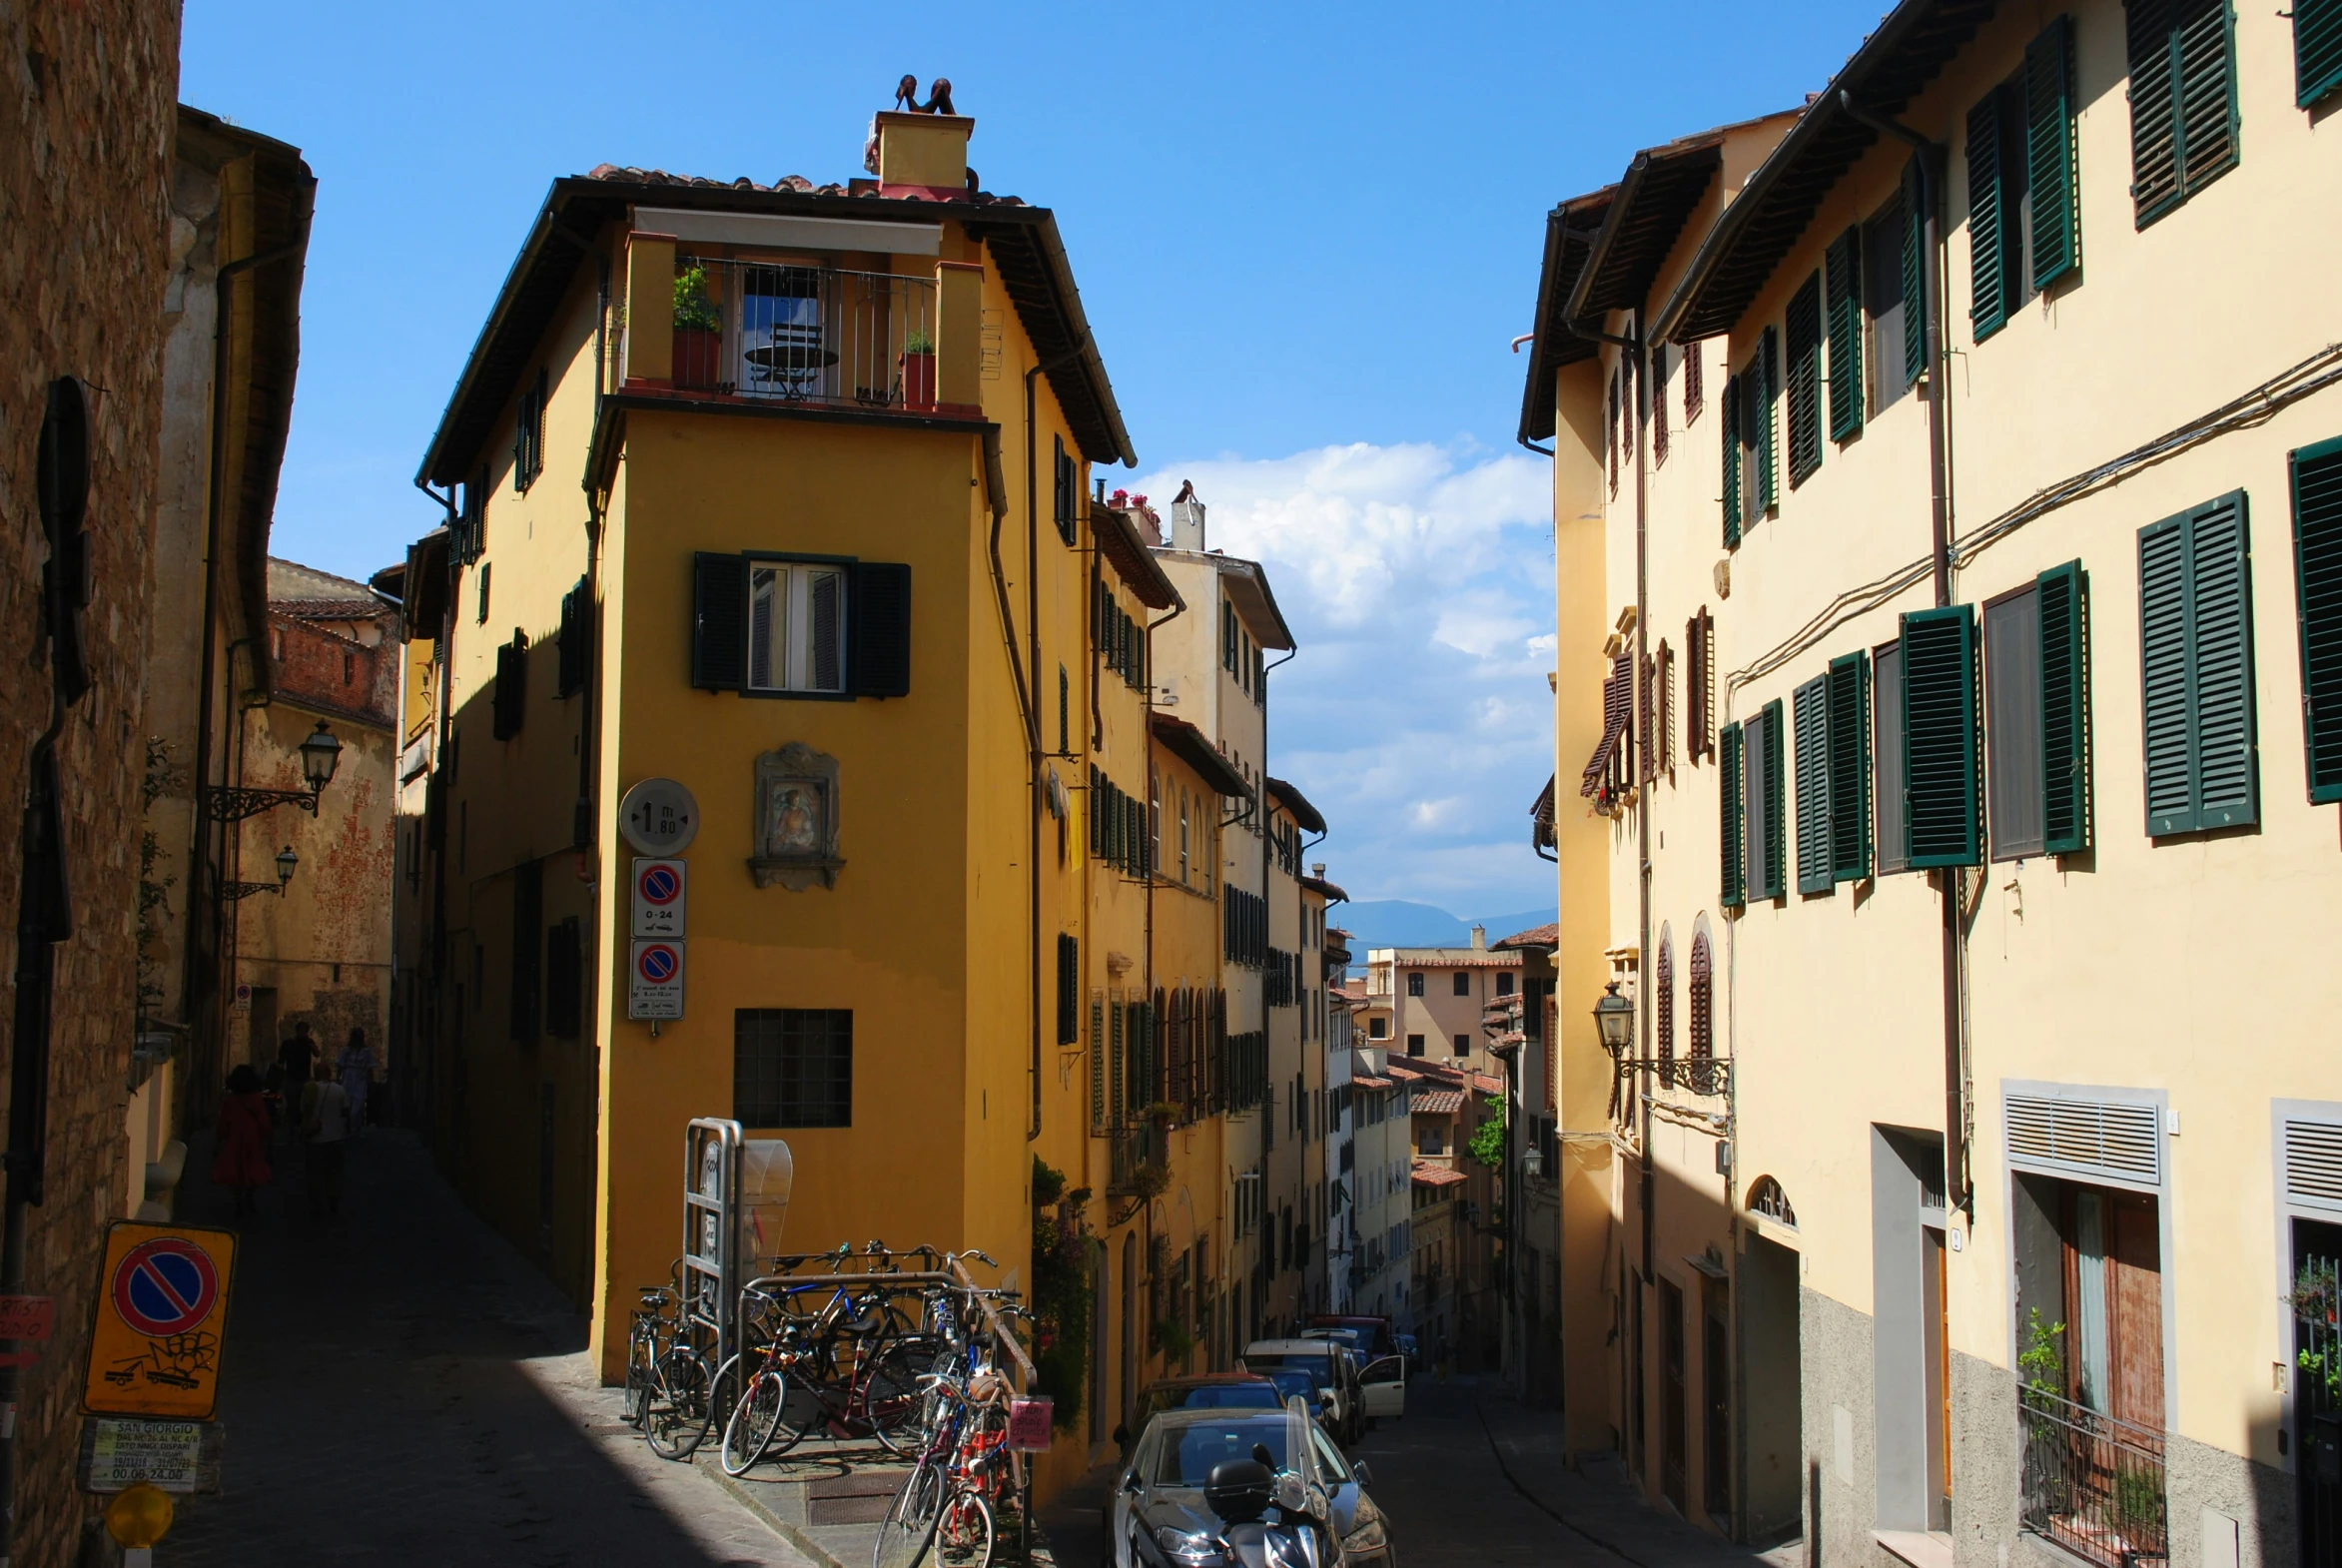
x=326, y=1120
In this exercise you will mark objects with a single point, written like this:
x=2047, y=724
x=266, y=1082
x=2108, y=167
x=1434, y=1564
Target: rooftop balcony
x=797, y=334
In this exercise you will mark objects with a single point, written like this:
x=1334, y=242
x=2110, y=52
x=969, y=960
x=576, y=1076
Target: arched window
x=1663, y=1005
x=1767, y=1198
x=1701, y=998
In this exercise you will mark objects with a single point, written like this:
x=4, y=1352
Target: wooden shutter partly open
x=1941, y=816
x=1917, y=306
x=719, y=621
x=1988, y=220
x=1894, y=853
x=1842, y=268
x=1730, y=790
x=880, y=627
x=1730, y=426
x=2219, y=566
x=1850, y=767
x=511, y=707
x=1766, y=392
x=2317, y=562
x=2182, y=100
x=1804, y=328
x=2317, y=49
x=1769, y=865
x=2050, y=160
x=2065, y=709
x=1812, y=707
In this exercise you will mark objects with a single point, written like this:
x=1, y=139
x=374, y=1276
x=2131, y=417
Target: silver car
x=1157, y=1517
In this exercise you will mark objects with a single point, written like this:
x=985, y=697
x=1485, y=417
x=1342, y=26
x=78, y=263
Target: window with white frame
x=796, y=627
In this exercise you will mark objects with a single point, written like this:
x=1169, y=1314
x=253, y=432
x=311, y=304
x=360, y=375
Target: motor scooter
x=1271, y=1517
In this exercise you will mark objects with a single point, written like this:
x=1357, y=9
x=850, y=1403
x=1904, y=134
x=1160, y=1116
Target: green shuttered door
x=2317, y=561
x=1940, y=815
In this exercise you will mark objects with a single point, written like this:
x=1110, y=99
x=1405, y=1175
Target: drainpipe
x=1932, y=157
x=1032, y=738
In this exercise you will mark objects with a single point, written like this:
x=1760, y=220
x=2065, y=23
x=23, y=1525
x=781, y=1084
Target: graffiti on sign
x=162, y=1306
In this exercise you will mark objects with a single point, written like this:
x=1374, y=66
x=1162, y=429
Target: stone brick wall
x=86, y=113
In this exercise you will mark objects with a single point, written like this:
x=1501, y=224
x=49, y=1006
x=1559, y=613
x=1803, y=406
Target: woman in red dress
x=241, y=1163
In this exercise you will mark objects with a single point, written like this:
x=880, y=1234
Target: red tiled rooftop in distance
x=795, y=183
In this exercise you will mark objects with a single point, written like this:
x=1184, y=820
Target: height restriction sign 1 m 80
x=162, y=1306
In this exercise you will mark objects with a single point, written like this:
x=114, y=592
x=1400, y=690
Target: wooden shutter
x=576, y=662
x=1813, y=786
x=1887, y=759
x=1693, y=395
x=1766, y=372
x=2221, y=612
x=2167, y=717
x=1773, y=846
x=1695, y=740
x=719, y=622
x=1659, y=404
x=1987, y=219
x=1728, y=791
x=2182, y=100
x=2317, y=49
x=1842, y=268
x=1804, y=328
x=1941, y=826
x=2065, y=709
x=2316, y=473
x=511, y=707
x=2050, y=159
x=1730, y=426
x=1069, y=990
x=1915, y=305
x=1850, y=767
x=880, y=627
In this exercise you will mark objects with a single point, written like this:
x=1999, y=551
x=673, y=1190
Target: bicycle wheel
x=909, y=1526
x=681, y=1405
x=754, y=1419
x=964, y=1534
x=891, y=1400
x=641, y=1375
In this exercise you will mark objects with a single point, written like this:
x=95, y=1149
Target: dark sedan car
x=1157, y=1517
x=1201, y=1391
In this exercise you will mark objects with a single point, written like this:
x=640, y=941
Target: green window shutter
x=2317, y=564
x=1766, y=384
x=1987, y=221
x=2065, y=709
x=1730, y=425
x=1844, y=268
x=2051, y=163
x=1941, y=816
x=2219, y=569
x=1728, y=790
x=1813, y=805
x=1804, y=324
x=1098, y=1061
x=1850, y=767
x=1916, y=304
x=2183, y=122
x=1774, y=862
x=2167, y=717
x=2317, y=49
x=719, y=621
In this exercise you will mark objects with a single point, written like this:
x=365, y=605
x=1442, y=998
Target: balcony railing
x=1133, y=1150
x=813, y=336
x=2092, y=1484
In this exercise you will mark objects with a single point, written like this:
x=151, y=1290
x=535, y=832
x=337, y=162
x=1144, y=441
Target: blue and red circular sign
x=165, y=1287
x=660, y=885
x=659, y=963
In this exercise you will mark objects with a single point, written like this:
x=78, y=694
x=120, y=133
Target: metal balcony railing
x=816, y=335
x=1132, y=1150
x=2092, y=1484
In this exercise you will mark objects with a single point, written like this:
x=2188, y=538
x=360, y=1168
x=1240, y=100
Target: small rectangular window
x=793, y=1066
x=528, y=433
x=2014, y=791
x=1463, y=1044
x=1883, y=247
x=1416, y=984
x=1378, y=1028
x=1414, y=1045
x=1463, y=982
x=796, y=627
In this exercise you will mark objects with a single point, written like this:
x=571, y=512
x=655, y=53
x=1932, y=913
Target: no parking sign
x=658, y=898
x=655, y=983
x=162, y=1302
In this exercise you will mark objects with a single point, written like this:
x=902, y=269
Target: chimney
x=1188, y=522
x=924, y=152
x=1479, y=939
x=1317, y=869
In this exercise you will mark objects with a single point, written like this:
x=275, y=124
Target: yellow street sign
x=162, y=1311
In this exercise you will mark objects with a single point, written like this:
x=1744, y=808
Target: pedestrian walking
x=356, y=1065
x=297, y=1060
x=326, y=1125
x=241, y=1161
x=1439, y=1358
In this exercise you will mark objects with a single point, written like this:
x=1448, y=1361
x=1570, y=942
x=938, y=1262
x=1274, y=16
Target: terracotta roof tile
x=1436, y=1102
x=1437, y=1176
x=857, y=190
x=1546, y=935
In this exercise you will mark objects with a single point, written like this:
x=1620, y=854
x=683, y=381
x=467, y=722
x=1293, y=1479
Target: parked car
x=1202, y=1391
x=1382, y=1379
x=1156, y=1516
x=1332, y=1368
x=1372, y=1336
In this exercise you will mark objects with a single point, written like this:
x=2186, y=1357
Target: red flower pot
x=696, y=356
x=917, y=380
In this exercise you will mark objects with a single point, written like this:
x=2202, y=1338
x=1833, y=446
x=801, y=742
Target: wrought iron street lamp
x=321, y=755
x=1614, y=1018
x=286, y=863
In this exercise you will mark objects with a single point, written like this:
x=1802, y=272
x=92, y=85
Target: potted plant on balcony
x=917, y=369
x=698, y=330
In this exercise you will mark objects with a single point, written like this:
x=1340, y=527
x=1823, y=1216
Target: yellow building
x=1985, y=852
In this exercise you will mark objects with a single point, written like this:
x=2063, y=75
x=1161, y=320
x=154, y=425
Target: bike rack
x=710, y=1265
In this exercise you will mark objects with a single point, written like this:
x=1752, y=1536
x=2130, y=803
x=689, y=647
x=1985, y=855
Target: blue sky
x=1305, y=237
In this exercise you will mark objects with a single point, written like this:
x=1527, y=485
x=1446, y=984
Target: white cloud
x=1418, y=580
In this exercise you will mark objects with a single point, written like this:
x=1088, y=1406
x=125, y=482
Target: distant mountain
x=1398, y=922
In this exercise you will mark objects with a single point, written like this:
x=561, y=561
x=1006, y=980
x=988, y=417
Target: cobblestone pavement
x=401, y=1386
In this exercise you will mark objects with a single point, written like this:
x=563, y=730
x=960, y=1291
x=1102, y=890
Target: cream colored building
x=2016, y=1149
x=1426, y=1004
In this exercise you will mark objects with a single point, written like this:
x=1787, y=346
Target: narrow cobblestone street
x=400, y=1386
